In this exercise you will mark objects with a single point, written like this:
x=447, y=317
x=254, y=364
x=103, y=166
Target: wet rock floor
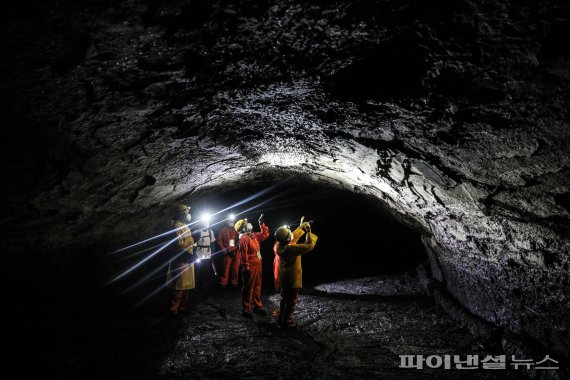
x=346, y=329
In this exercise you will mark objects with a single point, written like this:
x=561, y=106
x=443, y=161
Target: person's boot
x=247, y=314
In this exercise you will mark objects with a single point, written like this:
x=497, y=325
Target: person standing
x=227, y=242
x=180, y=274
x=290, y=270
x=204, y=263
x=276, y=283
x=250, y=256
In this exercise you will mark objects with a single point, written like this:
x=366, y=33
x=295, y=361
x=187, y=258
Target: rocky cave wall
x=453, y=114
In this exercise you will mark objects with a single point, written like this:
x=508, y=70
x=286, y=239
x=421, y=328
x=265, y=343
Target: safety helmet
x=283, y=234
x=182, y=213
x=182, y=208
x=240, y=224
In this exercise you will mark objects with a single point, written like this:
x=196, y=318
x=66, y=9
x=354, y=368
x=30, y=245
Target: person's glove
x=306, y=226
x=260, y=220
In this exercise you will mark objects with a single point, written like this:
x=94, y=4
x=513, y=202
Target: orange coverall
x=231, y=259
x=250, y=255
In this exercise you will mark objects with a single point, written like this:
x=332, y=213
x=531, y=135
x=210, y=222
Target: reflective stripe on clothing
x=204, y=249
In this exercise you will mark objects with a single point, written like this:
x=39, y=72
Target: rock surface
x=453, y=114
x=339, y=335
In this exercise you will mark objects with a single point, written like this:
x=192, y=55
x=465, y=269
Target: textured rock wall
x=454, y=114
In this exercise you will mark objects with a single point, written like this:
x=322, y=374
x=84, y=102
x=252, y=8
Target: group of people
x=241, y=247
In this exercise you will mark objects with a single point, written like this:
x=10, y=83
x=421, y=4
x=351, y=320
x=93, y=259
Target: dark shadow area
x=86, y=312
x=395, y=68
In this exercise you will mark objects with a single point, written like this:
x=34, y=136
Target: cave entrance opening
x=358, y=235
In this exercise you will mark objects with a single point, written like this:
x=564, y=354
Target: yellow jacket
x=179, y=269
x=290, y=269
x=184, y=235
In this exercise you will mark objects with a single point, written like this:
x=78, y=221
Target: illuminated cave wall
x=455, y=117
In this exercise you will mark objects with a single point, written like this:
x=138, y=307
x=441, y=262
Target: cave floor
x=351, y=328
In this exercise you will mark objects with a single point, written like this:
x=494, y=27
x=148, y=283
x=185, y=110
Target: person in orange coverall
x=228, y=241
x=290, y=271
x=250, y=256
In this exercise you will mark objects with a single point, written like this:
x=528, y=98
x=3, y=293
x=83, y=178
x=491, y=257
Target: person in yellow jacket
x=181, y=269
x=290, y=270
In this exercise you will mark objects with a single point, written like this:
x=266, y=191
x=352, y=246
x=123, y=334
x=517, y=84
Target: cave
x=428, y=143
x=362, y=239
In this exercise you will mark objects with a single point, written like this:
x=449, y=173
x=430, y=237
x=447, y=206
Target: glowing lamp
x=206, y=217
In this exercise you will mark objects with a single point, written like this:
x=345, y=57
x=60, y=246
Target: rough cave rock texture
x=453, y=114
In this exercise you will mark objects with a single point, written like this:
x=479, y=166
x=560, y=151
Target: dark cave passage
x=358, y=237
